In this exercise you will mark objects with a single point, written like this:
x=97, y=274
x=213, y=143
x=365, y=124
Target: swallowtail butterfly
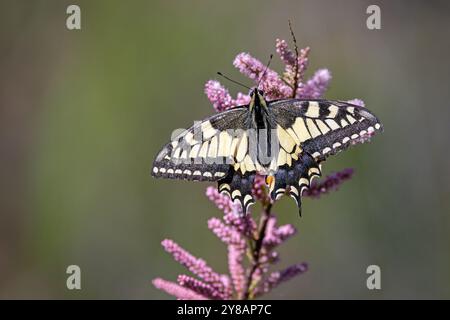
x=285, y=140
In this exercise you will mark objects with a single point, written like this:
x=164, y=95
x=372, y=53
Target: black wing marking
x=238, y=186
x=294, y=179
x=323, y=127
x=205, y=151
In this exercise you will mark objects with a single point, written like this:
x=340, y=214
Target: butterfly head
x=257, y=99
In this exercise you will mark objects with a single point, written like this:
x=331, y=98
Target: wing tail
x=238, y=187
x=294, y=179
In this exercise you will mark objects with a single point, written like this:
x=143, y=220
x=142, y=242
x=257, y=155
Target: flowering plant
x=251, y=244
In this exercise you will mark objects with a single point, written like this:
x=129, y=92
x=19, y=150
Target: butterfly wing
x=203, y=152
x=324, y=127
x=215, y=149
x=308, y=132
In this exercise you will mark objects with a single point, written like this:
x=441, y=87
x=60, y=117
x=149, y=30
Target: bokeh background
x=83, y=113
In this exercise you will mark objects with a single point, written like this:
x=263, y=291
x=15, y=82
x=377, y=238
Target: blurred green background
x=83, y=113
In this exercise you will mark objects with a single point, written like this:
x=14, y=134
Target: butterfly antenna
x=234, y=81
x=265, y=70
x=296, y=68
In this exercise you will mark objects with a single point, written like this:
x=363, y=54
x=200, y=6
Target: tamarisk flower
x=178, y=291
x=329, y=183
x=252, y=245
x=317, y=85
x=221, y=98
x=278, y=277
x=241, y=235
x=357, y=102
x=259, y=189
x=272, y=84
x=295, y=67
x=220, y=283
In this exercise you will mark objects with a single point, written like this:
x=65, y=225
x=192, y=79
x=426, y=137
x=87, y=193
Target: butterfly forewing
x=323, y=127
x=206, y=151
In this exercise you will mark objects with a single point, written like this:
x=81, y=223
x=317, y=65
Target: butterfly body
x=285, y=140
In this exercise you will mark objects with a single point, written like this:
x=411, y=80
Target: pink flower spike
x=316, y=86
x=331, y=182
x=236, y=268
x=271, y=83
x=303, y=61
x=259, y=189
x=294, y=76
x=249, y=66
x=218, y=95
x=278, y=277
x=271, y=239
x=200, y=287
x=357, y=102
x=286, y=231
x=242, y=99
x=246, y=225
x=176, y=290
x=286, y=55
x=228, y=235
x=277, y=235
x=223, y=202
x=195, y=265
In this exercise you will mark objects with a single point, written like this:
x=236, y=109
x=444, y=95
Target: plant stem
x=258, y=248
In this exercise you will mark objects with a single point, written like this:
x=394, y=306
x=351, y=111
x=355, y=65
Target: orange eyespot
x=270, y=180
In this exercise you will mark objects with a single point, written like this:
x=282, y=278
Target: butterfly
x=285, y=140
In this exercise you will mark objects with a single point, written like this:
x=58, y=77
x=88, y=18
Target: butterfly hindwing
x=294, y=178
x=238, y=186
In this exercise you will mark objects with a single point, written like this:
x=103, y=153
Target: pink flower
x=271, y=82
x=249, y=66
x=286, y=55
x=237, y=270
x=223, y=202
x=201, y=288
x=218, y=95
x=242, y=99
x=317, y=85
x=228, y=234
x=278, y=277
x=196, y=266
x=176, y=290
x=330, y=183
x=277, y=235
x=357, y=102
x=259, y=190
